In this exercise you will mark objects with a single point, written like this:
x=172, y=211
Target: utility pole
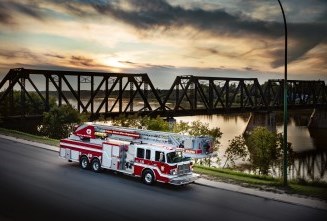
x=285, y=102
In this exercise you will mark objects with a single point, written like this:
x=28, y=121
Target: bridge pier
x=261, y=119
x=318, y=119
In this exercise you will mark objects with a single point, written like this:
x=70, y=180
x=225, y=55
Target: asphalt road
x=37, y=185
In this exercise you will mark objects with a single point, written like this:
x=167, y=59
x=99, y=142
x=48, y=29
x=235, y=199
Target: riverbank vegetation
x=261, y=147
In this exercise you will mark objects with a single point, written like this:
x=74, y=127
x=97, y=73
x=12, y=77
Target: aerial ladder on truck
x=193, y=146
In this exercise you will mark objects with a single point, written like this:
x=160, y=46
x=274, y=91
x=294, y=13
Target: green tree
x=33, y=104
x=127, y=121
x=157, y=123
x=265, y=148
x=59, y=121
x=181, y=127
x=236, y=150
x=197, y=128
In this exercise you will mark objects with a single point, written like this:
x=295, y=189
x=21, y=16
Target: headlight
x=173, y=171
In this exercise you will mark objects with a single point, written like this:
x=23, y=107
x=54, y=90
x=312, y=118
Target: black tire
x=148, y=177
x=84, y=163
x=96, y=165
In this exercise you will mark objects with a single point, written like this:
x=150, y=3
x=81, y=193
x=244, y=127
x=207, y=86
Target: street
x=35, y=184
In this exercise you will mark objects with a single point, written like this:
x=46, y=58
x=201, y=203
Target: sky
x=166, y=38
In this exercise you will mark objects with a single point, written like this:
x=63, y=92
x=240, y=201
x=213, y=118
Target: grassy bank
x=29, y=137
x=312, y=189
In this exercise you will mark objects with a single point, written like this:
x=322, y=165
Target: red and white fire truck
x=151, y=155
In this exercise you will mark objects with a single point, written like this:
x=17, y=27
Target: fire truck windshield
x=174, y=157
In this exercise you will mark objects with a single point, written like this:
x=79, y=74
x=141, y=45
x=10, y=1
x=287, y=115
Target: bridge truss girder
x=215, y=94
x=111, y=90
x=112, y=94
x=300, y=93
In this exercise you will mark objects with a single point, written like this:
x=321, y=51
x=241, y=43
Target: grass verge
x=268, y=183
x=29, y=137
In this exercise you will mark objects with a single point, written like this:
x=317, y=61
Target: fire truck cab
x=153, y=162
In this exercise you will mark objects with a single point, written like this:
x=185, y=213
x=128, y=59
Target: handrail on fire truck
x=194, y=146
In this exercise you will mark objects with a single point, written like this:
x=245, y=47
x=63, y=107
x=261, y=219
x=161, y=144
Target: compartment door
x=106, y=155
x=68, y=154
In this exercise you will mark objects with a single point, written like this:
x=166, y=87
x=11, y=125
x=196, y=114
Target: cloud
x=127, y=62
x=29, y=9
x=54, y=55
x=19, y=53
x=154, y=14
x=5, y=17
x=159, y=14
x=85, y=62
x=82, y=61
x=8, y=8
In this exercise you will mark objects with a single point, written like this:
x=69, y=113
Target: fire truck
x=152, y=155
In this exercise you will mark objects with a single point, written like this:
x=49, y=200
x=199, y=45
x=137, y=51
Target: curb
x=32, y=143
x=286, y=198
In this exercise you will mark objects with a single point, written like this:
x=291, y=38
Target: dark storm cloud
x=304, y=38
x=30, y=9
x=158, y=13
x=8, y=7
x=5, y=17
x=323, y=17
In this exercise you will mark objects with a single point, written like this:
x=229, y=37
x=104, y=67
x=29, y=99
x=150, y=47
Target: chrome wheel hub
x=148, y=178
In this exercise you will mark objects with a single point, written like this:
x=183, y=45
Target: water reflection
x=309, y=145
x=230, y=125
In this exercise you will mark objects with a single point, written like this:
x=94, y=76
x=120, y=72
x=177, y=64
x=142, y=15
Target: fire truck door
x=107, y=157
x=115, y=157
x=110, y=156
x=68, y=154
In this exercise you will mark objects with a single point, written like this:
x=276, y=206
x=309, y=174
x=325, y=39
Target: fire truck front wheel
x=84, y=162
x=96, y=166
x=148, y=177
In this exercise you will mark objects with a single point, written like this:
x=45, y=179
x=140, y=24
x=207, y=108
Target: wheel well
x=95, y=158
x=148, y=169
x=80, y=157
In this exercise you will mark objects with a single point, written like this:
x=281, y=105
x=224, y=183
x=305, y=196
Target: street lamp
x=285, y=102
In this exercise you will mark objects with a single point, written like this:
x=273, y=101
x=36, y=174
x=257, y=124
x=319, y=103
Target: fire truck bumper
x=186, y=179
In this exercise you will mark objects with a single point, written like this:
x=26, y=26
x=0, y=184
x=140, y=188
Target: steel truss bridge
x=28, y=93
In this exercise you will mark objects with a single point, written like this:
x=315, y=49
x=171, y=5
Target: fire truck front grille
x=183, y=169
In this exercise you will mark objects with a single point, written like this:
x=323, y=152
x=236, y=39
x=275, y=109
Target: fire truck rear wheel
x=96, y=166
x=148, y=177
x=84, y=162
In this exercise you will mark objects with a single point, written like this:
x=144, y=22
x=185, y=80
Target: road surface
x=37, y=185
